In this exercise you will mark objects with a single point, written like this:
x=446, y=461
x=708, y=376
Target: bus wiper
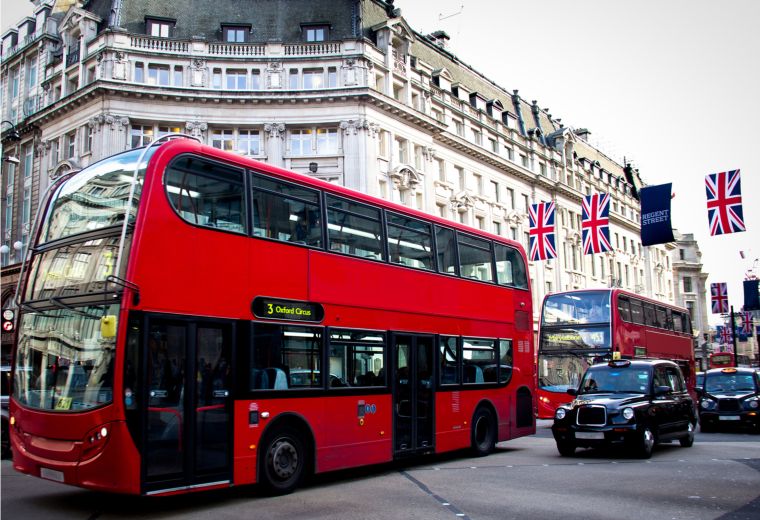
x=58, y=303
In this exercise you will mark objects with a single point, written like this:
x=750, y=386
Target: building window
x=687, y=284
x=459, y=126
x=441, y=168
x=300, y=142
x=71, y=140
x=235, y=33
x=682, y=254
x=256, y=79
x=237, y=79
x=141, y=135
x=315, y=33
x=494, y=145
x=86, y=139
x=461, y=178
x=524, y=160
x=223, y=139
x=158, y=74
x=327, y=141
x=511, y=198
x=332, y=77
x=495, y=191
x=160, y=28
x=402, y=145
x=249, y=142
x=293, y=79
x=477, y=137
x=178, y=77
x=216, y=78
x=313, y=78
x=496, y=228
x=166, y=130
x=139, y=73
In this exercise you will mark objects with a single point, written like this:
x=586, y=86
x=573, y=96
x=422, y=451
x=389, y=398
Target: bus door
x=187, y=421
x=413, y=393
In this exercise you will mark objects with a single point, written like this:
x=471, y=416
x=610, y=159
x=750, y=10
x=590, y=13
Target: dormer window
x=235, y=33
x=315, y=32
x=159, y=27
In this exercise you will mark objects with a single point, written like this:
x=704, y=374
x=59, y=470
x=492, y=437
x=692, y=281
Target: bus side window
x=446, y=246
x=624, y=308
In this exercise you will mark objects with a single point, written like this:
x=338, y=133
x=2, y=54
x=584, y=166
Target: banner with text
x=655, y=215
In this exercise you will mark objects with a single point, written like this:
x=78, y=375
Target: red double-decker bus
x=722, y=360
x=580, y=328
x=192, y=319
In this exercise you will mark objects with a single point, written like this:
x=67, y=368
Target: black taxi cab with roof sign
x=730, y=397
x=631, y=403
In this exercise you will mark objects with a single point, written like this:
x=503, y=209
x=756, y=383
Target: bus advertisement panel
x=581, y=328
x=198, y=320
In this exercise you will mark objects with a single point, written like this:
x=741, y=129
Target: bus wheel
x=283, y=461
x=646, y=443
x=566, y=448
x=483, y=432
x=688, y=441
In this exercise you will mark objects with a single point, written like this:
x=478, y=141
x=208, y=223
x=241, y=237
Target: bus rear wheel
x=283, y=462
x=483, y=432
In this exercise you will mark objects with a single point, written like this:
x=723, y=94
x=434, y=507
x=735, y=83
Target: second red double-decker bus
x=722, y=360
x=200, y=320
x=580, y=328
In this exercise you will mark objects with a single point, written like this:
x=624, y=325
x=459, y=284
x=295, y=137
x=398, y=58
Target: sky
x=670, y=85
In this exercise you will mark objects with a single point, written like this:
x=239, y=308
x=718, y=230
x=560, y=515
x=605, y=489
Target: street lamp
x=13, y=135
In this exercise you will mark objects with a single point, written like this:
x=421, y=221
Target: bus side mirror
x=572, y=391
x=108, y=326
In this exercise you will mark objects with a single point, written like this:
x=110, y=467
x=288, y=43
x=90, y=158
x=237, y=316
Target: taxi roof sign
x=728, y=370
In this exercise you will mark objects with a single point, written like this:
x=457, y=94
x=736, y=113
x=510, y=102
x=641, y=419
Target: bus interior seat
x=259, y=379
x=449, y=375
x=277, y=378
x=473, y=374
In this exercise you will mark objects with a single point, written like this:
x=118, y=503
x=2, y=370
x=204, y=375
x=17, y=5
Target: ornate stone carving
x=120, y=66
x=428, y=152
x=196, y=128
x=198, y=72
x=405, y=177
x=461, y=202
x=274, y=74
x=275, y=130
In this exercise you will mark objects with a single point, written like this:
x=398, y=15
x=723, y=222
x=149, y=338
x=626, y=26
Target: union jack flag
x=719, y=297
x=724, y=202
x=596, y=223
x=542, y=231
x=725, y=335
x=747, y=322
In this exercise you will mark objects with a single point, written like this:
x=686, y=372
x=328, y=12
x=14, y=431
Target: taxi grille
x=592, y=415
x=729, y=405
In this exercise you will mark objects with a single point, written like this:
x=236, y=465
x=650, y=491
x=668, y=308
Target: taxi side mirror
x=662, y=390
x=572, y=391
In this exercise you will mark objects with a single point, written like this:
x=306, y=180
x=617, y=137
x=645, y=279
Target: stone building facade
x=343, y=90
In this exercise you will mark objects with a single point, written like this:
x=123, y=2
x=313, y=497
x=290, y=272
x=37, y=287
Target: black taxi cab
x=730, y=397
x=631, y=403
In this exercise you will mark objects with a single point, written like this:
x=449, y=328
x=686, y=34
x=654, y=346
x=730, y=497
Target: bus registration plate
x=729, y=418
x=51, y=474
x=589, y=435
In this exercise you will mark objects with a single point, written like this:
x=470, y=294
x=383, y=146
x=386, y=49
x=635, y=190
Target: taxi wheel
x=566, y=448
x=646, y=443
x=688, y=441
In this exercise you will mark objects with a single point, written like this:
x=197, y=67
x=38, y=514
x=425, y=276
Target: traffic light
x=9, y=316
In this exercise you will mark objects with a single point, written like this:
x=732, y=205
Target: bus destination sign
x=274, y=309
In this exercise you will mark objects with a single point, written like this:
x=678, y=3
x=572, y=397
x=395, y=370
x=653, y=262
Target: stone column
x=275, y=147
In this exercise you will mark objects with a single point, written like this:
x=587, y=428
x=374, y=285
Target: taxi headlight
x=754, y=404
x=706, y=404
x=628, y=413
x=560, y=413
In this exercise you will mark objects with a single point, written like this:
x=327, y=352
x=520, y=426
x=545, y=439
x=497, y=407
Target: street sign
x=8, y=316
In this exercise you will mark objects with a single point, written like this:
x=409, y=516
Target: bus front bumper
x=112, y=467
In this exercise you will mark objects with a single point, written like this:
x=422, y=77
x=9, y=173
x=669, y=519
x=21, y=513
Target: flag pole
x=733, y=337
